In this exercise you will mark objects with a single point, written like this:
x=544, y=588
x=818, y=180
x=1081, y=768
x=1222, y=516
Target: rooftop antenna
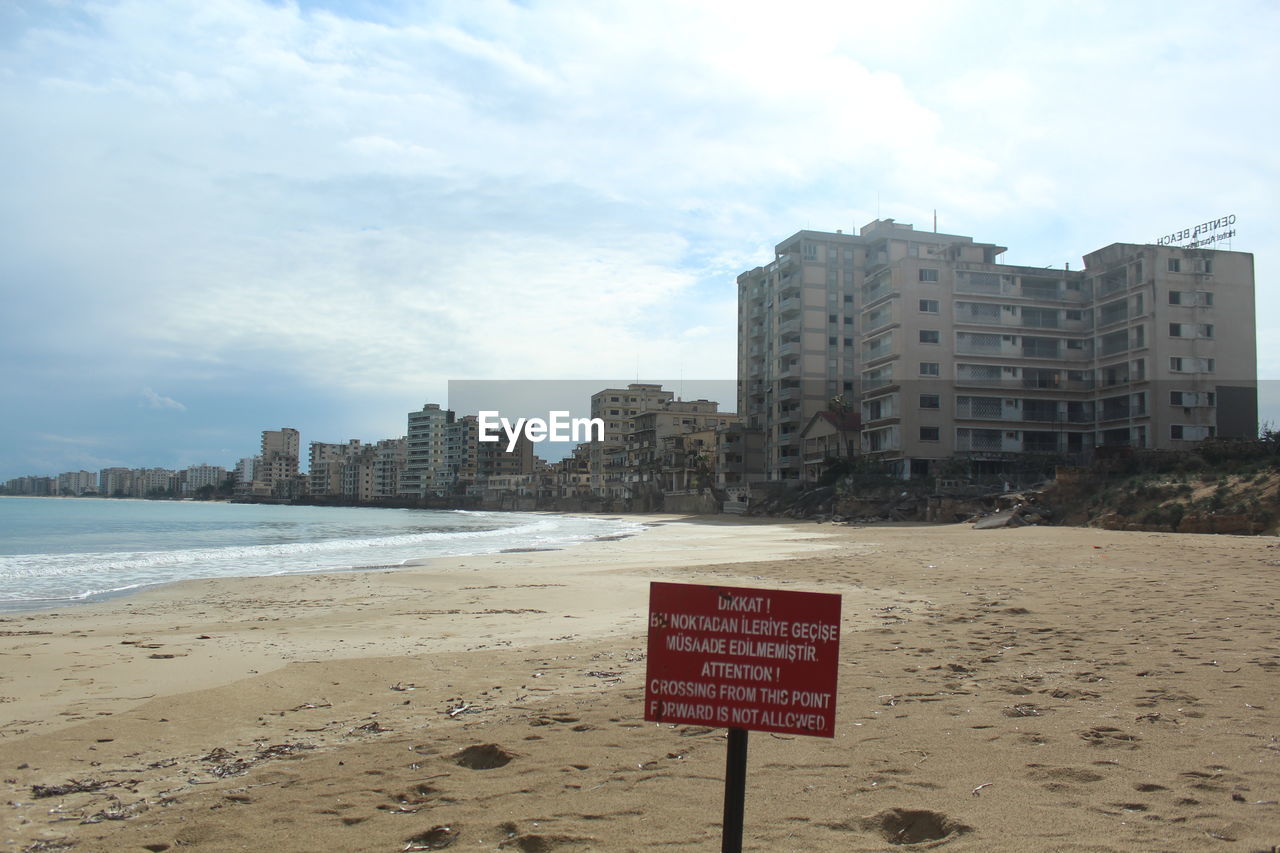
x=935, y=220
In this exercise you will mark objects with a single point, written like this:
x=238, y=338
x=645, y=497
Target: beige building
x=276, y=472
x=948, y=352
x=426, y=471
x=325, y=466
x=672, y=448
x=617, y=407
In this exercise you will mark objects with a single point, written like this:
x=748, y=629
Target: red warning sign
x=756, y=659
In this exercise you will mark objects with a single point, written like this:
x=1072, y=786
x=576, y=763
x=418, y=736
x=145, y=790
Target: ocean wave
x=36, y=580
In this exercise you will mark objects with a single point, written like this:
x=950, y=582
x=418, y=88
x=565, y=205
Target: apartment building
x=77, y=483
x=617, y=407
x=115, y=482
x=425, y=471
x=947, y=352
x=276, y=472
x=196, y=477
x=672, y=448
x=390, y=456
x=325, y=462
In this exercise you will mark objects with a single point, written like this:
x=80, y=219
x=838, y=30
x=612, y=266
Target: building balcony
x=875, y=294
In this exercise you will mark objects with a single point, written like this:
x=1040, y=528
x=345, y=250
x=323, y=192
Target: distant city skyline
x=224, y=218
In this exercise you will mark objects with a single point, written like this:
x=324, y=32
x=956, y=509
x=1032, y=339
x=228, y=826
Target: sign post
x=745, y=659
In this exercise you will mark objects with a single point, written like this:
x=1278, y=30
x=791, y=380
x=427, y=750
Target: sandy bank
x=1031, y=689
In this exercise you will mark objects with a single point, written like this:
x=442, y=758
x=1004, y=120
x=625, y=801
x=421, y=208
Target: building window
x=930, y=401
x=1191, y=330
x=848, y=321
x=831, y=341
x=929, y=433
x=832, y=318
x=848, y=386
x=1175, y=297
x=1190, y=432
x=929, y=306
x=848, y=342
x=928, y=368
x=930, y=336
x=1206, y=265
x=1175, y=265
x=928, y=274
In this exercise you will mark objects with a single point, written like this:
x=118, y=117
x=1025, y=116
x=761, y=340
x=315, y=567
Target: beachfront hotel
x=942, y=351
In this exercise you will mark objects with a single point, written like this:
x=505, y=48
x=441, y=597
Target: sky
x=225, y=216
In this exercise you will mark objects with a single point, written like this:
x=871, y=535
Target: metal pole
x=735, y=791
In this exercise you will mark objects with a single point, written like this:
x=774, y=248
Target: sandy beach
x=1031, y=689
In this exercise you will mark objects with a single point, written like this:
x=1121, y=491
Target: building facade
x=946, y=352
x=425, y=473
x=617, y=408
x=276, y=472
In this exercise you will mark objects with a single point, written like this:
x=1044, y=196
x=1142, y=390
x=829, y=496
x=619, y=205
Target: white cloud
x=152, y=400
x=204, y=190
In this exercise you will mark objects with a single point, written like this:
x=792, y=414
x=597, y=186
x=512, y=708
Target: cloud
x=152, y=400
x=201, y=194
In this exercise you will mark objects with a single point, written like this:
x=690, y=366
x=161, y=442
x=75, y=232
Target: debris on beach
x=435, y=838
x=73, y=786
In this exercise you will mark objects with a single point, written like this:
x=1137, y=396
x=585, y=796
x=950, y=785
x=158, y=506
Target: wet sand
x=1049, y=689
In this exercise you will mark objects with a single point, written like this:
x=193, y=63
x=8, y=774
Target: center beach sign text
x=755, y=659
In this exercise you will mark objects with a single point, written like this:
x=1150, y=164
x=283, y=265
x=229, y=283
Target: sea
x=62, y=551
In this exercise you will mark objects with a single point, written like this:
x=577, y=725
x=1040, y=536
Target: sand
x=1031, y=689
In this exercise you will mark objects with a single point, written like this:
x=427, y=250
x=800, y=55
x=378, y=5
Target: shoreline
x=98, y=596
x=1033, y=688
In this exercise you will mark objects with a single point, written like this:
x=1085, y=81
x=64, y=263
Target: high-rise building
x=943, y=351
x=324, y=466
x=425, y=472
x=276, y=472
x=77, y=483
x=388, y=466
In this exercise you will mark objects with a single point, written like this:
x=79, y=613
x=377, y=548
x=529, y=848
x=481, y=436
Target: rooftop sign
x=1204, y=234
x=751, y=659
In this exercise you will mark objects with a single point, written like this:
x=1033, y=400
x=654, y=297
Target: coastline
x=1047, y=688
x=45, y=577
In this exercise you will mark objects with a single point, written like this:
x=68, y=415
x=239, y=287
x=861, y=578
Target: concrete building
x=425, y=472
x=324, y=466
x=388, y=465
x=243, y=474
x=276, y=472
x=115, y=482
x=196, y=477
x=672, y=448
x=617, y=407
x=947, y=352
x=77, y=483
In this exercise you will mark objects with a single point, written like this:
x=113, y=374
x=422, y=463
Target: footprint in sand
x=1110, y=736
